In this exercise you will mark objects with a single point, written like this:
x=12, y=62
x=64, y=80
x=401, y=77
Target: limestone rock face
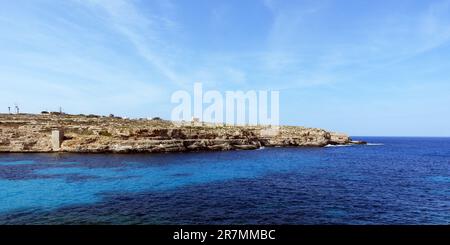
x=339, y=139
x=32, y=133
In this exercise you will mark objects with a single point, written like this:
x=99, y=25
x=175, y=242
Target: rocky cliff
x=33, y=133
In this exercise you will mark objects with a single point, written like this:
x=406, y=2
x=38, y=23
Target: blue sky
x=361, y=67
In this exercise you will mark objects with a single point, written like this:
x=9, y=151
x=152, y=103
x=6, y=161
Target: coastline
x=58, y=133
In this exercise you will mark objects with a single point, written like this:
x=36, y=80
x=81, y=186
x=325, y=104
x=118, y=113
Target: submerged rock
x=358, y=142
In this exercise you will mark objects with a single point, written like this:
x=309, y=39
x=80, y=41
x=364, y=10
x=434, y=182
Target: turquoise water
x=396, y=181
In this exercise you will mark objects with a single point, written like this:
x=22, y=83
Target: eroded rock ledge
x=96, y=134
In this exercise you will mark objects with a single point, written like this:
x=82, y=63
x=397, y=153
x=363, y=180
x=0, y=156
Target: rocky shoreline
x=24, y=133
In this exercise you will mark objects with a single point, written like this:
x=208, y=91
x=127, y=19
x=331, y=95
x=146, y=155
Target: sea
x=391, y=180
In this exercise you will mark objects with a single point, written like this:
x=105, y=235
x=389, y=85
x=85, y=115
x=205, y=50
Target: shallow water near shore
x=389, y=181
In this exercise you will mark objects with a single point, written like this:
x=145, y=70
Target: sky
x=363, y=67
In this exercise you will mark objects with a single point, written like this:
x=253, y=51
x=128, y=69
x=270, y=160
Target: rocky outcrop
x=339, y=139
x=33, y=133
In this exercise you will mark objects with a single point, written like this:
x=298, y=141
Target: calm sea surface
x=393, y=181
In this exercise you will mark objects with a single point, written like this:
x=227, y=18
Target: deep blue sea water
x=395, y=181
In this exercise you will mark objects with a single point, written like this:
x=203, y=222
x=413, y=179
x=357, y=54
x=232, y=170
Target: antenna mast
x=17, y=108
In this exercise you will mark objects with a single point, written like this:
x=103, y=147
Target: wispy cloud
x=301, y=58
x=434, y=26
x=142, y=31
x=49, y=61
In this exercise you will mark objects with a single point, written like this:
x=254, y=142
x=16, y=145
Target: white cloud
x=393, y=38
x=143, y=32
